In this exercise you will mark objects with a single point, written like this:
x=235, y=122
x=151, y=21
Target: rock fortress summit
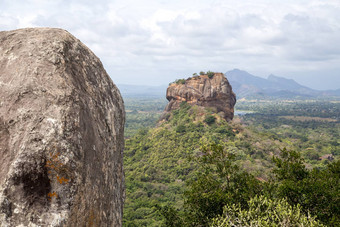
x=212, y=90
x=61, y=133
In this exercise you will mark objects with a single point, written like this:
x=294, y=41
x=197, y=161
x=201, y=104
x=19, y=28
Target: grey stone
x=61, y=133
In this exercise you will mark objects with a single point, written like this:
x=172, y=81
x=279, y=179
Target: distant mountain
x=244, y=85
x=247, y=85
x=133, y=91
x=333, y=92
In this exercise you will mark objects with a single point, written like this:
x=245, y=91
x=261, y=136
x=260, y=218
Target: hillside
x=157, y=161
x=160, y=161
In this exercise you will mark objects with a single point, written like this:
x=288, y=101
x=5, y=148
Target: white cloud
x=159, y=40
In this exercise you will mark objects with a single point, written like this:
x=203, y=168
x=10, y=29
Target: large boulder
x=61, y=133
x=212, y=91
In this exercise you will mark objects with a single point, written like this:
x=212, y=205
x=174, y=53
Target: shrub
x=202, y=73
x=180, y=81
x=180, y=128
x=210, y=74
x=210, y=119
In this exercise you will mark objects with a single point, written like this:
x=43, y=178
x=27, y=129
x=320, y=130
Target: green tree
x=171, y=216
x=289, y=166
x=317, y=191
x=218, y=183
x=263, y=211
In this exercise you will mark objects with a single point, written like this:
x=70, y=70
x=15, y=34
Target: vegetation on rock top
x=210, y=74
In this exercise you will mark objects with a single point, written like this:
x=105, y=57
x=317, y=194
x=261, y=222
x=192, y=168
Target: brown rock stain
x=92, y=220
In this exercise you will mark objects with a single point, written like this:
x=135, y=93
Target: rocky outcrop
x=61, y=133
x=214, y=91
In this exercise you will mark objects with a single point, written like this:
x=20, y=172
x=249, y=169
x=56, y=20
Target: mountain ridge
x=247, y=85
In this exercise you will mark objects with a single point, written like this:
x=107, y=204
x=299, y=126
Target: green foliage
x=312, y=155
x=166, y=171
x=180, y=81
x=263, y=211
x=180, y=129
x=310, y=108
x=321, y=193
x=171, y=216
x=290, y=200
x=157, y=163
x=210, y=119
x=202, y=73
x=317, y=191
x=289, y=166
x=210, y=74
x=311, y=128
x=219, y=182
x=141, y=113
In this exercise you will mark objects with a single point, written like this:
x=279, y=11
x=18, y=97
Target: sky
x=154, y=42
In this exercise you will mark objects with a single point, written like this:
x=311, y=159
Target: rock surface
x=214, y=92
x=61, y=133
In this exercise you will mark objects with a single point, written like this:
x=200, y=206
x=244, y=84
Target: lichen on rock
x=61, y=133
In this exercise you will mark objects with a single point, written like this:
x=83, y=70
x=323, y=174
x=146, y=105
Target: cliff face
x=214, y=92
x=61, y=133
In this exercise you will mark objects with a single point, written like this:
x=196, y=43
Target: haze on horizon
x=155, y=42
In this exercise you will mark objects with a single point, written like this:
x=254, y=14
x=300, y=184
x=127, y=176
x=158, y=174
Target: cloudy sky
x=156, y=41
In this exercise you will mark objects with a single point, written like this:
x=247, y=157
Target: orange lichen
x=53, y=162
x=62, y=180
x=50, y=195
x=55, y=168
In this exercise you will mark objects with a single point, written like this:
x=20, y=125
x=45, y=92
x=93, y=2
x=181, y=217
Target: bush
x=180, y=128
x=210, y=74
x=202, y=73
x=180, y=81
x=210, y=119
